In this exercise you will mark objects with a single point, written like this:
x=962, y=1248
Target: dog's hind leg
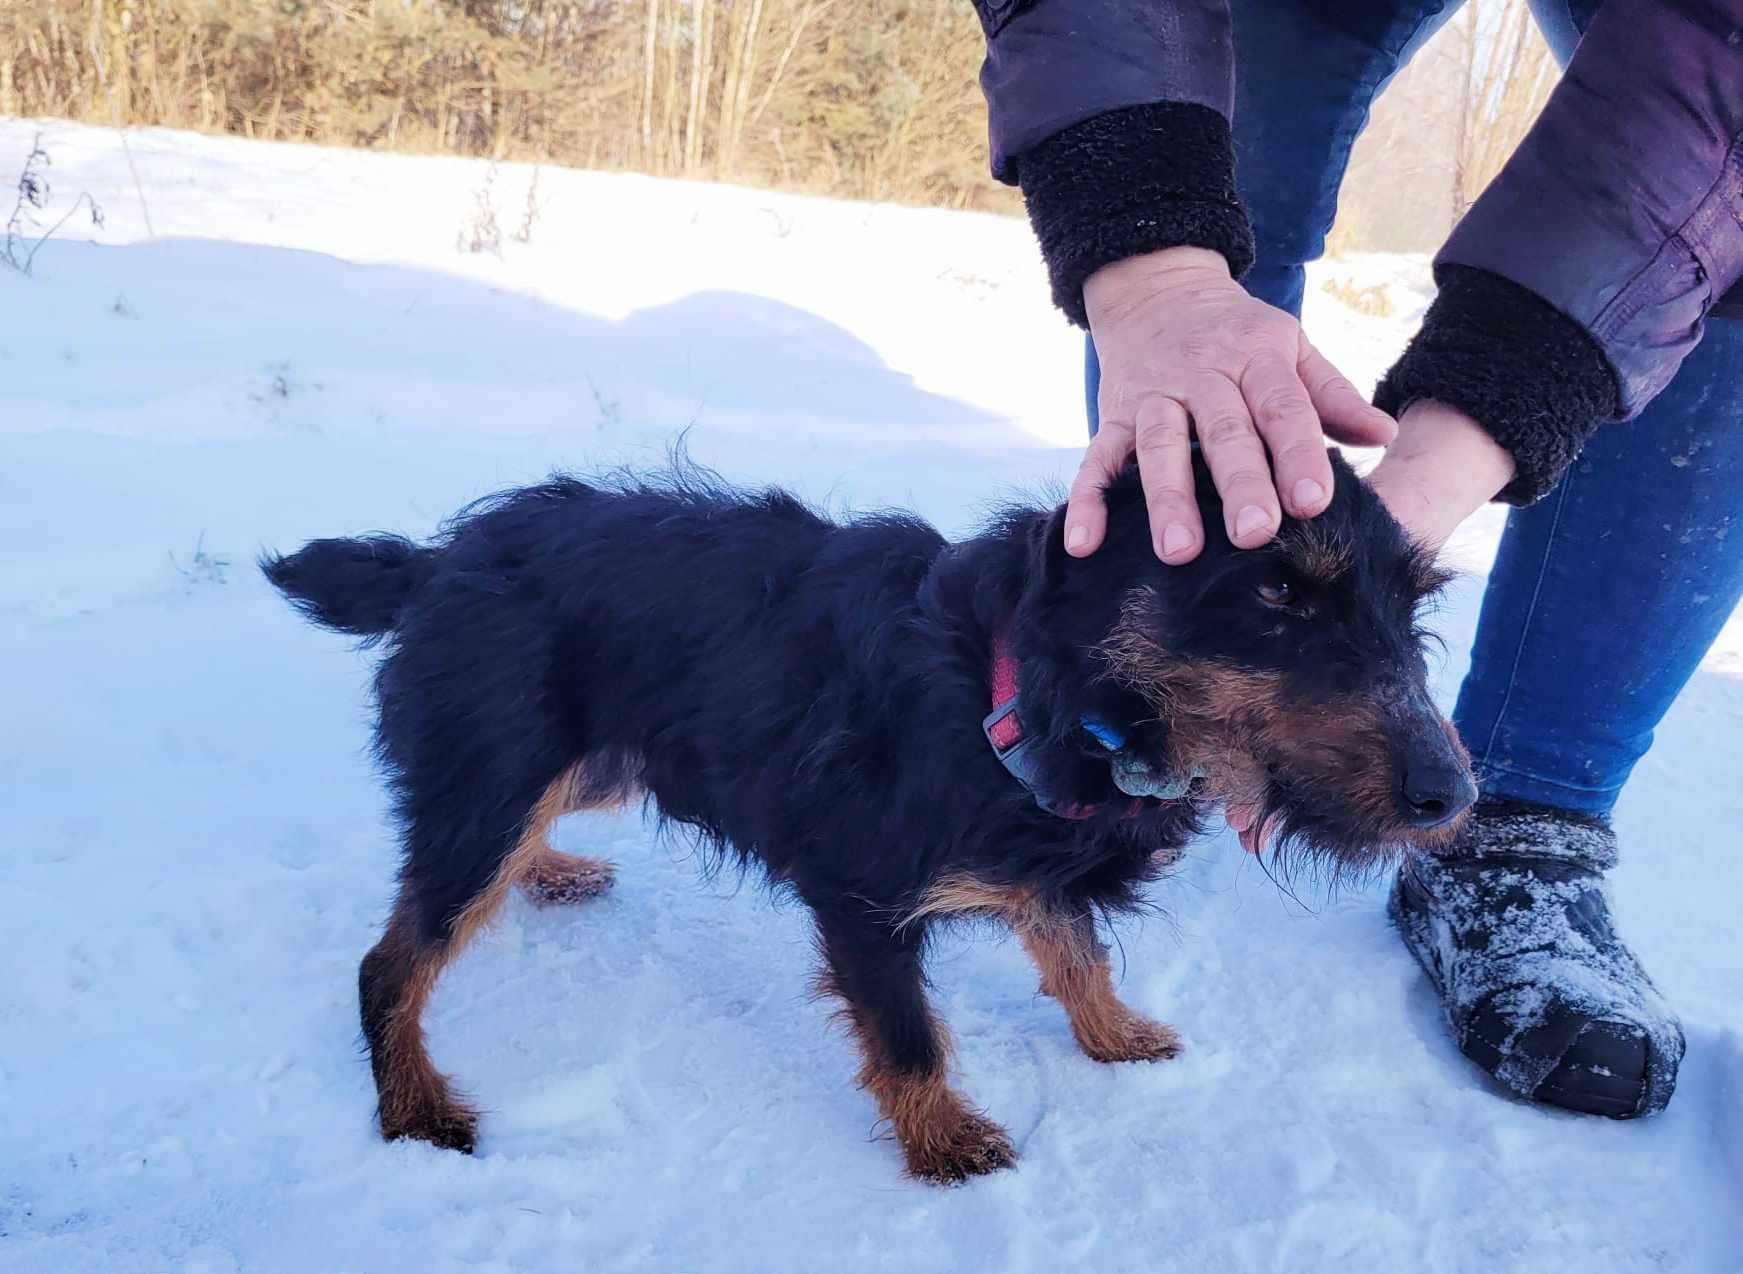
x=875, y=970
x=449, y=890
x=1074, y=971
x=552, y=878
x=413, y=1099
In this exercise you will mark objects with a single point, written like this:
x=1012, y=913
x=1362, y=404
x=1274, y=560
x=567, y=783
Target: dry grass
x=873, y=99
x=1374, y=300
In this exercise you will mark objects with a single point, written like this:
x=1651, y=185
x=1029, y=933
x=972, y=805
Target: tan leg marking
x=943, y=1139
x=1074, y=971
x=413, y=1098
x=1074, y=968
x=552, y=878
x=399, y=973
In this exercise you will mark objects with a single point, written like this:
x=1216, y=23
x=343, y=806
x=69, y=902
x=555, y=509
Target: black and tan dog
x=897, y=729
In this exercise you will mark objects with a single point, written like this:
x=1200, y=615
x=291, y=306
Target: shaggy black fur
x=808, y=696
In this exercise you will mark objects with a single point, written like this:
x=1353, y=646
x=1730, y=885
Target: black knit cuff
x=1526, y=372
x=1130, y=181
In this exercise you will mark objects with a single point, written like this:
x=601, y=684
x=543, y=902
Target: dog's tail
x=355, y=586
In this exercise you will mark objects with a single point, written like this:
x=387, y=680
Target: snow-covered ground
x=194, y=853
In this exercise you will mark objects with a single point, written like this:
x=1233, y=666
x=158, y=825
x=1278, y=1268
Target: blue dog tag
x=1131, y=774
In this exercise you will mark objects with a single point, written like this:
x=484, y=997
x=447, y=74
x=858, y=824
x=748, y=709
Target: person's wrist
x=1143, y=273
x=1442, y=467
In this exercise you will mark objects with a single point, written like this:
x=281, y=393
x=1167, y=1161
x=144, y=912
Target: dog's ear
x=1047, y=555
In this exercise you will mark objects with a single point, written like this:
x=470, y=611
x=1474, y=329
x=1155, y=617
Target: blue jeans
x=1605, y=595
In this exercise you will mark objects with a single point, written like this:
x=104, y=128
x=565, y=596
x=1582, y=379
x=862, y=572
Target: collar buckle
x=1015, y=750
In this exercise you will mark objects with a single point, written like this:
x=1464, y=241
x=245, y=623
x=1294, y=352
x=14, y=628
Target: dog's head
x=1290, y=678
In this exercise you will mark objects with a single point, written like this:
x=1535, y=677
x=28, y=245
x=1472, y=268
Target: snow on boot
x=1512, y=925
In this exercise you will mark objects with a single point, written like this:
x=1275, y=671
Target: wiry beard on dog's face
x=1292, y=679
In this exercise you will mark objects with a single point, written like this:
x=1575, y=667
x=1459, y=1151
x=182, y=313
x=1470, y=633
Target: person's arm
x=1112, y=115
x=1575, y=286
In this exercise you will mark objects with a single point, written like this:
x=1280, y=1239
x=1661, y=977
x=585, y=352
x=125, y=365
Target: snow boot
x=1511, y=924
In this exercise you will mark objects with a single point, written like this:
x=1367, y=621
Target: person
x=1180, y=161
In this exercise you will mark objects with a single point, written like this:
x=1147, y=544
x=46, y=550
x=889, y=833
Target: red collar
x=1006, y=731
x=1012, y=746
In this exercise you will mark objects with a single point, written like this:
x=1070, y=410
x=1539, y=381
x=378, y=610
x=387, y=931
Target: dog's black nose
x=1436, y=791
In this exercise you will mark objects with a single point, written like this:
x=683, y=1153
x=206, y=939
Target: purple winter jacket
x=1570, y=291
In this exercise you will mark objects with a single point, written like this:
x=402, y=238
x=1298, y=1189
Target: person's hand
x=1442, y=468
x=1185, y=350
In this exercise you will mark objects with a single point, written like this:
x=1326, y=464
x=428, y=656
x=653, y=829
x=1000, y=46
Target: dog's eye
x=1279, y=593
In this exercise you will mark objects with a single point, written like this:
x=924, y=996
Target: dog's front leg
x=1074, y=970
x=876, y=972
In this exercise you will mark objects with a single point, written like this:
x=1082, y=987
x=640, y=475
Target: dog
x=898, y=730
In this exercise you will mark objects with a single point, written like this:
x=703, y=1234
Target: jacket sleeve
x=1112, y=115
x=1575, y=286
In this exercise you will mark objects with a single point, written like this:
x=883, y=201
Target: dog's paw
x=1140, y=1039
x=451, y=1127
x=553, y=879
x=972, y=1147
x=448, y=1130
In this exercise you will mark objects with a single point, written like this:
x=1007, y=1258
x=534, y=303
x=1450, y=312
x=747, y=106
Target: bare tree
x=1509, y=73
